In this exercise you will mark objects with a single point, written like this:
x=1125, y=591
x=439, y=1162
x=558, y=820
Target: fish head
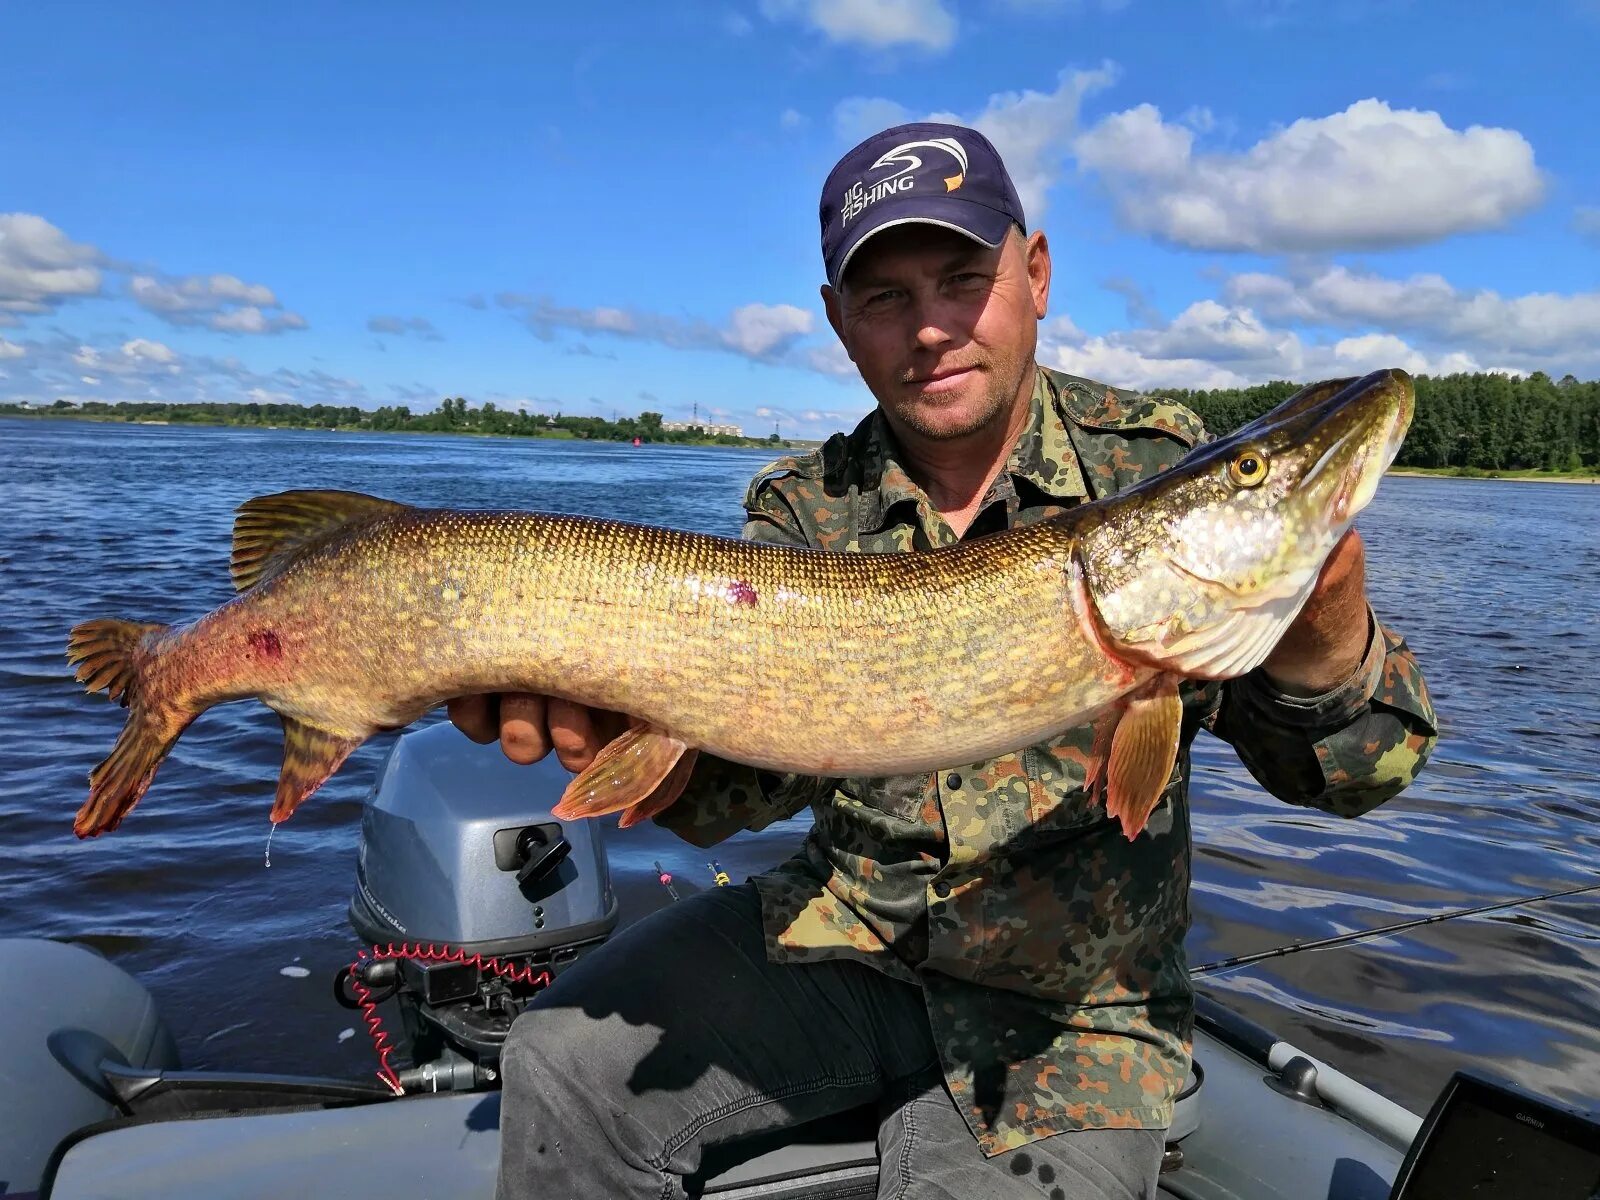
x=1200, y=569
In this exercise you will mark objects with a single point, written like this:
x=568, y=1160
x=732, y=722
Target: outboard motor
x=475, y=897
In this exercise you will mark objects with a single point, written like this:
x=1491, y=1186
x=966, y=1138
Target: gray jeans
x=679, y=1034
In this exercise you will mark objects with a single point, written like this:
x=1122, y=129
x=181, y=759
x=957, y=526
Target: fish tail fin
x=104, y=653
x=114, y=657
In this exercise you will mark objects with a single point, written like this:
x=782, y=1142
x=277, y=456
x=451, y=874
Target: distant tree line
x=453, y=415
x=1481, y=422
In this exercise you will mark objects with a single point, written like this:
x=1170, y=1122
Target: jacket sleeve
x=1345, y=751
x=722, y=797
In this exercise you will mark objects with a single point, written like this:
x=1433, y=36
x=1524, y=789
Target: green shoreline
x=1507, y=476
x=554, y=435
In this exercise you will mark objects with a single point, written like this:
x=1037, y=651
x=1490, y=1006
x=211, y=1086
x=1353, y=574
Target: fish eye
x=1248, y=469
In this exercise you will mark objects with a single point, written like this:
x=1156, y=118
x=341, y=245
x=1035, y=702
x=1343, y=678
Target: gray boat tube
x=65, y=1010
x=1391, y=1123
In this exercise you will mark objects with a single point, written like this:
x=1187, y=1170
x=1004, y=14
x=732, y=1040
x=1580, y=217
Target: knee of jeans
x=548, y=1049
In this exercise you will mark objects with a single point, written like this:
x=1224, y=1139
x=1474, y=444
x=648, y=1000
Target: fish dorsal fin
x=270, y=532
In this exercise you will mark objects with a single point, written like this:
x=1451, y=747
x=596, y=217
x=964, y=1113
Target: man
x=980, y=953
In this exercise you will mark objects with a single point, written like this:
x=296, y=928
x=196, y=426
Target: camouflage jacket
x=1048, y=946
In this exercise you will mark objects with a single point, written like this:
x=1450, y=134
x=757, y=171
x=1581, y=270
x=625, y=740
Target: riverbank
x=1504, y=476
x=558, y=433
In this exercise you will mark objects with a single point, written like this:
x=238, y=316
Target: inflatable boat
x=469, y=897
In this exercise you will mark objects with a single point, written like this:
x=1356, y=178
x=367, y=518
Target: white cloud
x=877, y=24
x=261, y=395
x=1212, y=345
x=1118, y=359
x=614, y=320
x=1586, y=220
x=1367, y=177
x=1530, y=330
x=1210, y=331
x=148, y=351
x=224, y=303
x=857, y=118
x=762, y=330
x=1059, y=7
x=40, y=266
x=137, y=356
x=10, y=349
x=791, y=118
x=1032, y=130
x=1123, y=366
x=830, y=358
x=143, y=369
x=1375, y=351
x=400, y=326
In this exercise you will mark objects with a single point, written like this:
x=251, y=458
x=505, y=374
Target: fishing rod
x=1362, y=935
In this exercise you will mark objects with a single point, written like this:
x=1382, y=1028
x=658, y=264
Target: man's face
x=942, y=328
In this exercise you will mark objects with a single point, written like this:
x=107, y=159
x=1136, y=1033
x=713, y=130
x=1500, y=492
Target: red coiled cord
x=417, y=952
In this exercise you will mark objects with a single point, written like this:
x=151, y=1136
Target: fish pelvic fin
x=310, y=756
x=114, y=657
x=634, y=770
x=1143, y=751
x=665, y=795
x=270, y=532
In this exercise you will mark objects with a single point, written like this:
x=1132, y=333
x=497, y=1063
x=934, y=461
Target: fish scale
x=357, y=614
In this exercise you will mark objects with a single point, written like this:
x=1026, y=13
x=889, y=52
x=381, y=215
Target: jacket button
x=952, y=781
x=941, y=890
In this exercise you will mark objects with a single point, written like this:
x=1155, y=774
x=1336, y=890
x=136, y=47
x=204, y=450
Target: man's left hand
x=1328, y=640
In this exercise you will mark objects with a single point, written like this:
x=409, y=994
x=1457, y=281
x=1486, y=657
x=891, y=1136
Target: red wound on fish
x=740, y=591
x=265, y=643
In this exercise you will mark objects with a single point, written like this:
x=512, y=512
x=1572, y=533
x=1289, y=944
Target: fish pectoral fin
x=270, y=532
x=626, y=773
x=310, y=756
x=1143, y=749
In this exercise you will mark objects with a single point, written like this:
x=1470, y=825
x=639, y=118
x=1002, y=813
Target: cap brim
x=977, y=221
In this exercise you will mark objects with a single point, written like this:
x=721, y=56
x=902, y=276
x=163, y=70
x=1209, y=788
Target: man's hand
x=530, y=726
x=1329, y=638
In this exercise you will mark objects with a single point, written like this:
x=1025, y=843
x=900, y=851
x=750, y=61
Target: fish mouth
x=1347, y=471
x=1368, y=459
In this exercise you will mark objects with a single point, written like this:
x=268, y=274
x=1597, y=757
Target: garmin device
x=1487, y=1140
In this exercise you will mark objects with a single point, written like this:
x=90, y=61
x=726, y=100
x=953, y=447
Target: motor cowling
x=458, y=849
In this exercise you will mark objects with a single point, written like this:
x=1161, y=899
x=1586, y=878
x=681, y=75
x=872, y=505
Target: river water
x=1493, y=583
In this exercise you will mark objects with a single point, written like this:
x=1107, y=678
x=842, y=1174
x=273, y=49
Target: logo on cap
x=858, y=196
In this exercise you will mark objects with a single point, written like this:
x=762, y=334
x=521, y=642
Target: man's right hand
x=528, y=727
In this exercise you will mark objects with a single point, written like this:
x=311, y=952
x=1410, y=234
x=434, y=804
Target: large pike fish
x=356, y=615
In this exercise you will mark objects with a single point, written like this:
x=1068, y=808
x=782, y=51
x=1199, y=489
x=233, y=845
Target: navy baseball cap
x=946, y=175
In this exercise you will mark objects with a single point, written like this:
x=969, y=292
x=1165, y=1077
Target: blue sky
x=613, y=208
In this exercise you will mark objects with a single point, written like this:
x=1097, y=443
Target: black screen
x=1477, y=1153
